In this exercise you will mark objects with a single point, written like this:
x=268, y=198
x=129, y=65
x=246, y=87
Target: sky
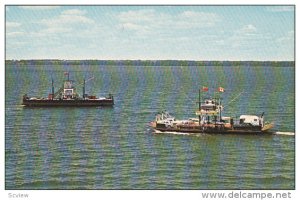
x=150, y=32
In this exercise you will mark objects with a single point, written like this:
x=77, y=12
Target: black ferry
x=67, y=96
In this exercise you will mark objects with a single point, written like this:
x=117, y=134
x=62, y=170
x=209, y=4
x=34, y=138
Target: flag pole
x=199, y=106
x=220, y=90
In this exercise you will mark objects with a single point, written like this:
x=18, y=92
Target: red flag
x=205, y=89
x=220, y=89
x=66, y=73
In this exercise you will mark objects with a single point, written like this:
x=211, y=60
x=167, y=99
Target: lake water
x=114, y=148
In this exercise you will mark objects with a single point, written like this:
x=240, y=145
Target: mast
x=220, y=108
x=199, y=105
x=83, y=89
x=52, y=90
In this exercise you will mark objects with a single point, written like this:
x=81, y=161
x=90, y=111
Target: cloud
x=285, y=45
x=138, y=16
x=132, y=26
x=288, y=38
x=197, y=19
x=73, y=12
x=14, y=34
x=13, y=29
x=67, y=21
x=280, y=8
x=246, y=36
x=68, y=17
x=247, y=30
x=150, y=21
x=12, y=25
x=39, y=7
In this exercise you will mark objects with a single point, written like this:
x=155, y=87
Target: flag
x=66, y=73
x=205, y=89
x=220, y=89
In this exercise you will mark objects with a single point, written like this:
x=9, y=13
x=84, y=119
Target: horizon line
x=149, y=60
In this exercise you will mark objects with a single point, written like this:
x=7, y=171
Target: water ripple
x=113, y=148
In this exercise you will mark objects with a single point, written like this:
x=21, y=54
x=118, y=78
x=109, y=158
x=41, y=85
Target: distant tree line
x=149, y=63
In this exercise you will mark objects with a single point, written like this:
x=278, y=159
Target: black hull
x=212, y=131
x=68, y=103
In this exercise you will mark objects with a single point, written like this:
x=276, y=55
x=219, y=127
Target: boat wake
x=178, y=133
x=284, y=133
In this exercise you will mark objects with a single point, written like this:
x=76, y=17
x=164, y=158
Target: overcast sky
x=150, y=32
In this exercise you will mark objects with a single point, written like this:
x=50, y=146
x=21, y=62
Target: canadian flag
x=204, y=88
x=220, y=89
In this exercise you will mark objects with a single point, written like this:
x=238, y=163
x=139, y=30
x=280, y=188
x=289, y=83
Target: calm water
x=113, y=148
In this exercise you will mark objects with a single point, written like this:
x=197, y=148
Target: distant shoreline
x=151, y=62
